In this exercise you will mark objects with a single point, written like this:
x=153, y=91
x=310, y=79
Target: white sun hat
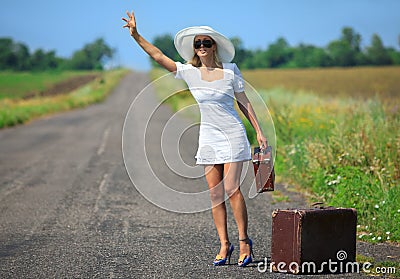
x=184, y=43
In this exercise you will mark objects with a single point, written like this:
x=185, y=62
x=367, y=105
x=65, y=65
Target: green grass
x=342, y=152
x=390, y=269
x=15, y=111
x=17, y=85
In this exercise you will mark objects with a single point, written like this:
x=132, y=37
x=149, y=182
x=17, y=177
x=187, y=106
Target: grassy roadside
x=16, y=110
x=389, y=269
x=343, y=152
x=340, y=147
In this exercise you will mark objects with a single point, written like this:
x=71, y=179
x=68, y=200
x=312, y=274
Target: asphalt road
x=68, y=208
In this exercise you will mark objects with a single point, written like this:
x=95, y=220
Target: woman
x=223, y=144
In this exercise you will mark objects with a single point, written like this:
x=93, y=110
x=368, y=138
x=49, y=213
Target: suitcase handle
x=258, y=152
x=316, y=203
x=265, y=161
x=320, y=205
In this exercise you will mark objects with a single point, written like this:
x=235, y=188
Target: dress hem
x=222, y=162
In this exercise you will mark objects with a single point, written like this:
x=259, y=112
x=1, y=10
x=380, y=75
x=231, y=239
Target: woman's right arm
x=150, y=49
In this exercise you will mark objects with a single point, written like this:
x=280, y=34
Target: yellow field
x=362, y=82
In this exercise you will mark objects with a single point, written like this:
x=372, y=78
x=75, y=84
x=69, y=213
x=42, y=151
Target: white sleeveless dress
x=222, y=136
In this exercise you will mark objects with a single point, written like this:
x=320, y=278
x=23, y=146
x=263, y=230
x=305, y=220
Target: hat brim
x=184, y=43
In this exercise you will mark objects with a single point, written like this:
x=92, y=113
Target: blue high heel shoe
x=245, y=259
x=219, y=260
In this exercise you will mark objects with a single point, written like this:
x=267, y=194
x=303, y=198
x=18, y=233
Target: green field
x=337, y=138
x=22, y=99
x=17, y=85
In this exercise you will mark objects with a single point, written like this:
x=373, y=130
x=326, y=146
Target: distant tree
x=16, y=56
x=13, y=56
x=22, y=53
x=309, y=56
x=241, y=54
x=80, y=61
x=361, y=59
x=320, y=58
x=394, y=56
x=7, y=57
x=341, y=54
x=166, y=44
x=278, y=53
x=345, y=51
x=352, y=38
x=377, y=53
x=93, y=56
x=38, y=60
x=41, y=61
x=259, y=59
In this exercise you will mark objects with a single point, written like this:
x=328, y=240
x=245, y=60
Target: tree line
x=16, y=56
x=346, y=51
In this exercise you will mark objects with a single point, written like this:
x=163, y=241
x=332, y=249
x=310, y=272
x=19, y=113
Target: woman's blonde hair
x=196, y=62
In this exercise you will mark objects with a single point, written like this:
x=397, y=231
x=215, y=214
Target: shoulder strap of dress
x=229, y=66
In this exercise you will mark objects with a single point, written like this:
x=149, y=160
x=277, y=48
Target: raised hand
x=130, y=23
x=149, y=48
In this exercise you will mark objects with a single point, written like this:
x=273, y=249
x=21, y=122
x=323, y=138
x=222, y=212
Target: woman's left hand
x=262, y=140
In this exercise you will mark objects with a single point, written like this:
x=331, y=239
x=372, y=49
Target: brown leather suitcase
x=264, y=169
x=312, y=241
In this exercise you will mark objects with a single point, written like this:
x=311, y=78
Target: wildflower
x=387, y=232
x=373, y=219
x=370, y=234
x=383, y=202
x=361, y=235
x=398, y=210
x=374, y=238
x=388, y=238
x=379, y=238
x=376, y=206
x=366, y=227
x=358, y=226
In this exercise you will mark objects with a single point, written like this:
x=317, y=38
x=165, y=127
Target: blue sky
x=65, y=26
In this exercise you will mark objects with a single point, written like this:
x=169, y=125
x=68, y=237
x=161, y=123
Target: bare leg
x=232, y=172
x=214, y=177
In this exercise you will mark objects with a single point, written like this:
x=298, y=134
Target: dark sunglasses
x=206, y=43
